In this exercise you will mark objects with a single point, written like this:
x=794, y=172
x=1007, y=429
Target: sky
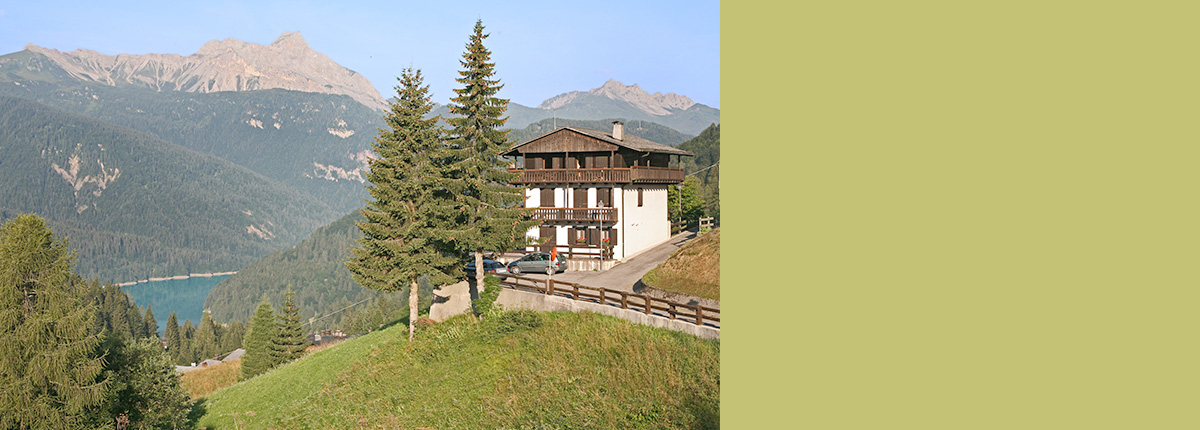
x=541, y=48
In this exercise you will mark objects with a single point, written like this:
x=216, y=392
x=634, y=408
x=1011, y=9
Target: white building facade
x=599, y=195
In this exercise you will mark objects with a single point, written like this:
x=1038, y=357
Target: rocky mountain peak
x=227, y=65
x=291, y=40
x=654, y=104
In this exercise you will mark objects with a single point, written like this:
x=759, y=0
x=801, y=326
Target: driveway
x=625, y=275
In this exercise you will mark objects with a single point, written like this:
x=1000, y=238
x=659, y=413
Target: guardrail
x=696, y=314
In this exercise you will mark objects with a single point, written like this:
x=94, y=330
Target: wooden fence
x=696, y=314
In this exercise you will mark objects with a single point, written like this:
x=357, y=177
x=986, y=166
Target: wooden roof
x=556, y=141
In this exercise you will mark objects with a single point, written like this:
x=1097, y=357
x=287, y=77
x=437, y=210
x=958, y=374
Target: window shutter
x=593, y=236
x=639, y=197
x=580, y=198
x=547, y=197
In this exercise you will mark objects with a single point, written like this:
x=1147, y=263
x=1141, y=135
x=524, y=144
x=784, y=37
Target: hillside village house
x=598, y=194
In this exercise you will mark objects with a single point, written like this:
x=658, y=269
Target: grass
x=202, y=382
x=513, y=370
x=693, y=269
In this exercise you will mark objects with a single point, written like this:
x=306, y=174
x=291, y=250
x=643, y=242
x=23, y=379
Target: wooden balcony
x=636, y=174
x=575, y=214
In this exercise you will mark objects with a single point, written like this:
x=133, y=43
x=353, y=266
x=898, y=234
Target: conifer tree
x=205, y=343
x=49, y=373
x=259, y=340
x=231, y=336
x=289, y=342
x=492, y=214
x=407, y=230
x=171, y=332
x=150, y=323
x=187, y=339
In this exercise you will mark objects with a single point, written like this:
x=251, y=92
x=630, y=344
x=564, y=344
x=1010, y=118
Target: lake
x=185, y=297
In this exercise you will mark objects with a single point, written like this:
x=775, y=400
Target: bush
x=486, y=303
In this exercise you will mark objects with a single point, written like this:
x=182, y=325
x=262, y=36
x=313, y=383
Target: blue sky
x=541, y=48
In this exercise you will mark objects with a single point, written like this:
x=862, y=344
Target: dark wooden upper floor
x=592, y=156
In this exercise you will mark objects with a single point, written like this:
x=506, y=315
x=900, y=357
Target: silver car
x=538, y=262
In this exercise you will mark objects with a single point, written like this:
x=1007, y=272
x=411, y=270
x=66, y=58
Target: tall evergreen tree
x=49, y=374
x=205, y=343
x=150, y=323
x=492, y=214
x=259, y=340
x=407, y=227
x=289, y=342
x=171, y=332
x=187, y=340
x=231, y=336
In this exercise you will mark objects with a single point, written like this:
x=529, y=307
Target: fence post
x=672, y=311
x=575, y=292
x=603, y=296
x=699, y=316
x=624, y=300
x=648, y=305
x=550, y=287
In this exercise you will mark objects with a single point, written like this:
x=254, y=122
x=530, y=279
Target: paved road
x=623, y=276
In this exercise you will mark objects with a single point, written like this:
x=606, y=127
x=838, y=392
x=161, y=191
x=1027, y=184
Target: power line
x=339, y=310
x=701, y=170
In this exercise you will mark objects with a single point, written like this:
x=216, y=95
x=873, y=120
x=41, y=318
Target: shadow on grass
x=706, y=411
x=199, y=408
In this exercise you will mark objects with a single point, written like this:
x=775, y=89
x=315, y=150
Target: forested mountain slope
x=135, y=206
x=316, y=143
x=314, y=268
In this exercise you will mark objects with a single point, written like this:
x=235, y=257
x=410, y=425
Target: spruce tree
x=408, y=225
x=171, y=332
x=231, y=336
x=492, y=214
x=49, y=373
x=259, y=340
x=187, y=339
x=205, y=343
x=289, y=342
x=150, y=323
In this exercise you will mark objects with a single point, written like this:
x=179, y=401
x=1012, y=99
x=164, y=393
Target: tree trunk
x=479, y=272
x=412, y=309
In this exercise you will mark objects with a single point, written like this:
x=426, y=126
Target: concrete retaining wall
x=513, y=299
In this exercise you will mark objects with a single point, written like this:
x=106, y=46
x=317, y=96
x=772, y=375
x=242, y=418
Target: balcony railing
x=636, y=174
x=576, y=214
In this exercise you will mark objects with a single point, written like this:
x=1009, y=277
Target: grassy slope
x=693, y=269
x=558, y=370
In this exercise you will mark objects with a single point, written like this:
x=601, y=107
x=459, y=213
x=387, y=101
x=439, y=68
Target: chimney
x=618, y=130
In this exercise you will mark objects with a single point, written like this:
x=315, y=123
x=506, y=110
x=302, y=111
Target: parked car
x=489, y=266
x=538, y=262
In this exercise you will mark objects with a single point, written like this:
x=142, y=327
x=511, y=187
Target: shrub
x=486, y=302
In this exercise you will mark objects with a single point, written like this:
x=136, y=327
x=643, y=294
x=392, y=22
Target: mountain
x=614, y=100
x=228, y=65
x=316, y=143
x=643, y=129
x=314, y=268
x=135, y=206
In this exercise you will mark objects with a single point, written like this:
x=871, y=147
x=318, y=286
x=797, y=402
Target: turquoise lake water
x=185, y=297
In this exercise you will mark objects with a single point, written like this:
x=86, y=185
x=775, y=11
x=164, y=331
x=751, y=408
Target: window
x=639, y=197
x=547, y=198
x=608, y=237
x=604, y=197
